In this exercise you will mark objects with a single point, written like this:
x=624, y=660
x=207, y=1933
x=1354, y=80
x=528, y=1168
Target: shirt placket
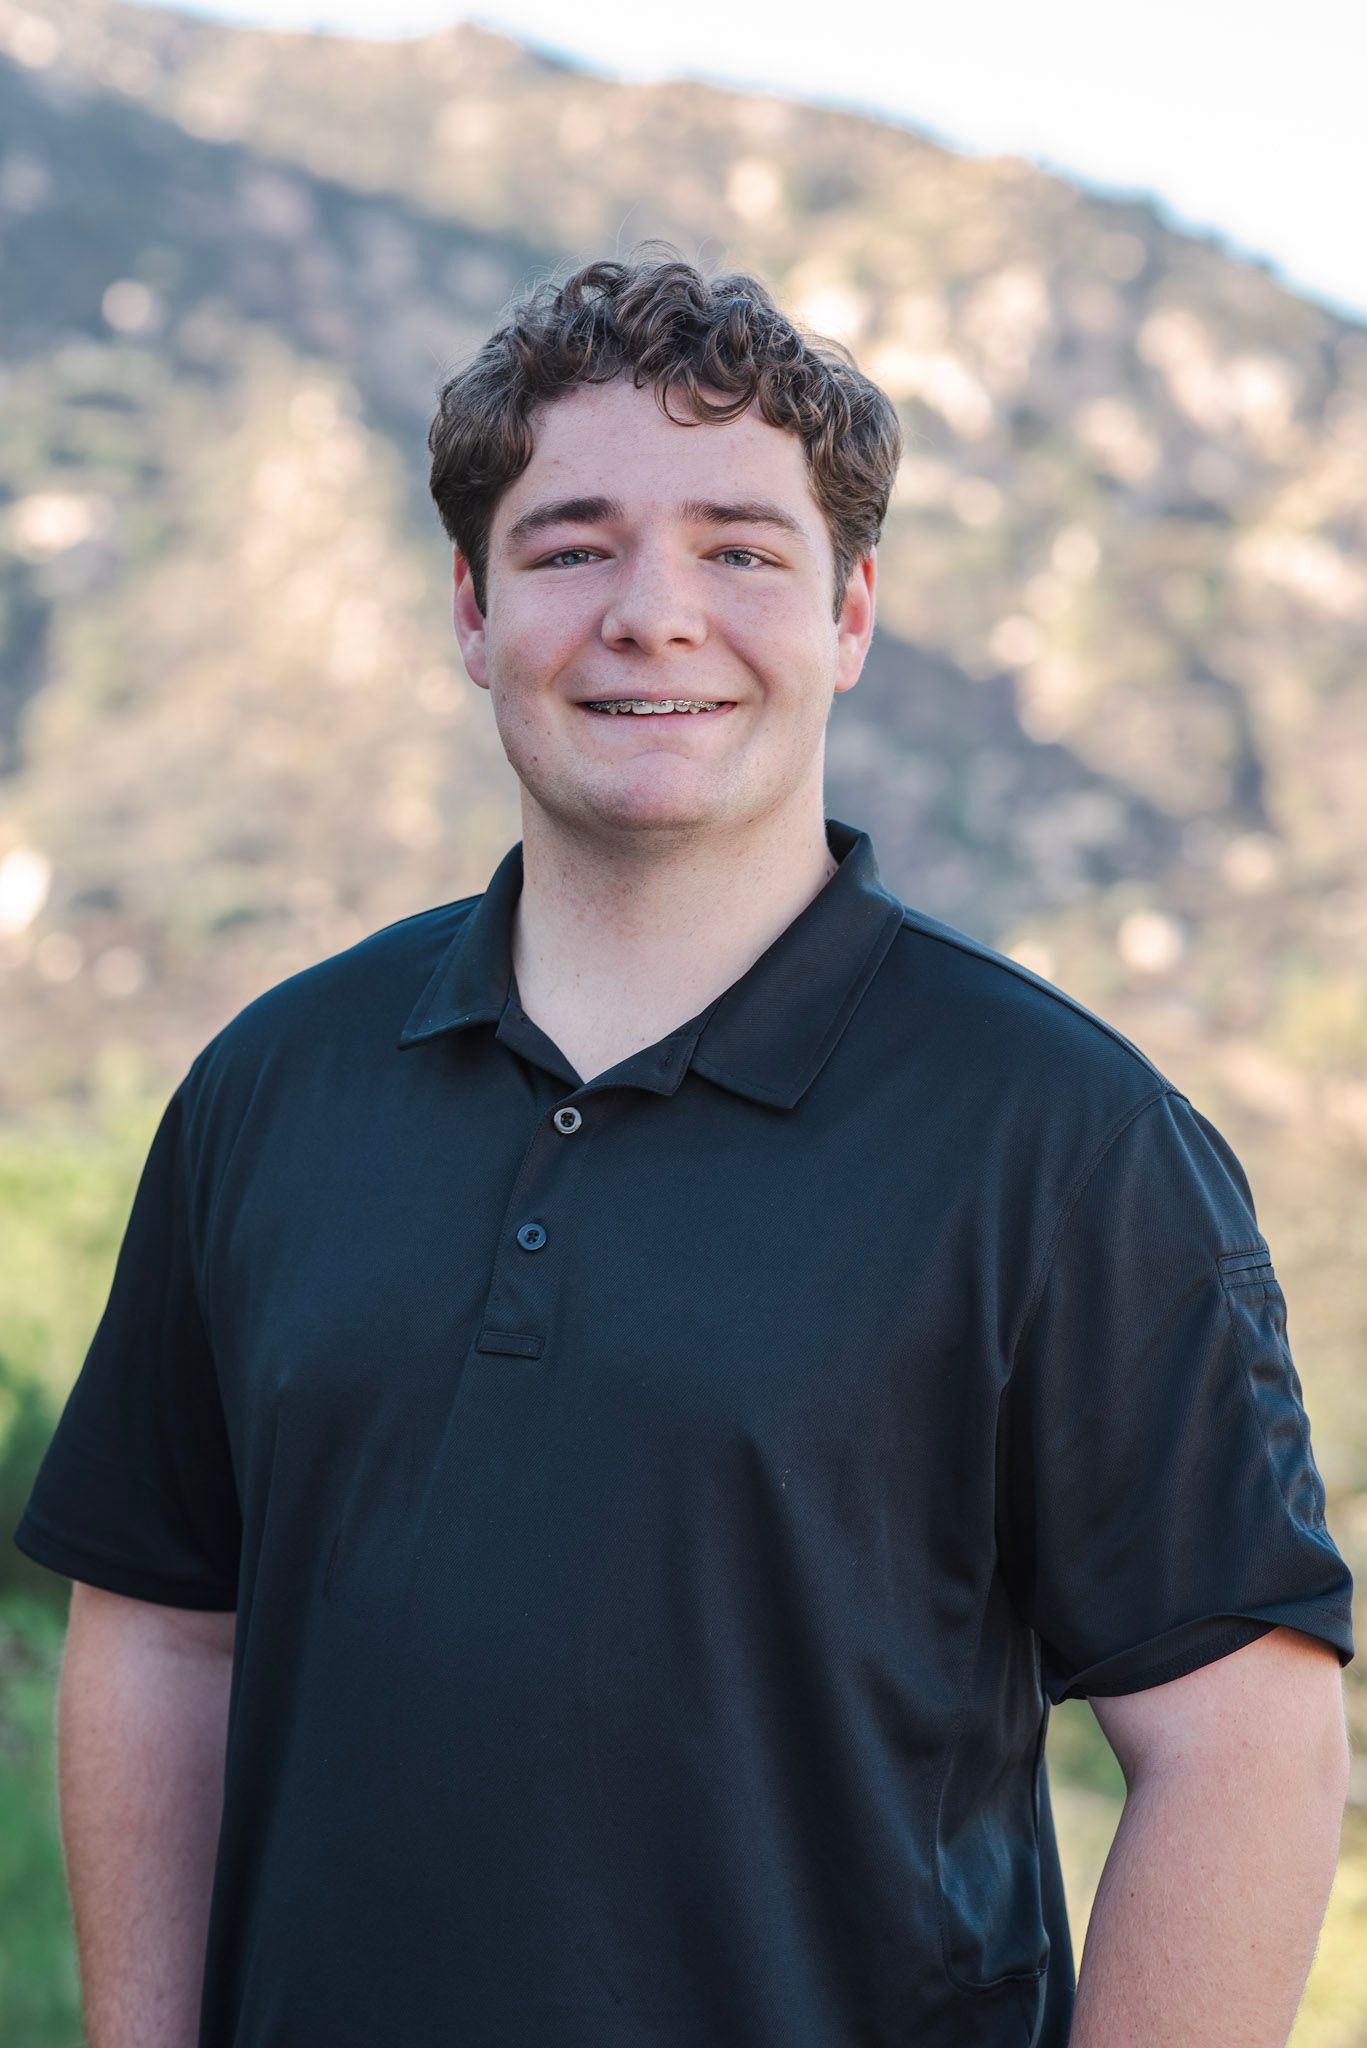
x=523, y=1285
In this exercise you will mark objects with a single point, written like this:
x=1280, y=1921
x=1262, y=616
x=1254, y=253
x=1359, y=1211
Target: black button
x=531, y=1237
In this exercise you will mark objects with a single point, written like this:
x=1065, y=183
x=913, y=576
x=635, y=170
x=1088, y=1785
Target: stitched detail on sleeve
x=1274, y=1394
x=1247, y=1269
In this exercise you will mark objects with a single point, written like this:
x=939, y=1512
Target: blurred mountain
x=1114, y=720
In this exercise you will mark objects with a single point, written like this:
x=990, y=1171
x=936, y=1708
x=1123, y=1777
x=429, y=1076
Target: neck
x=616, y=943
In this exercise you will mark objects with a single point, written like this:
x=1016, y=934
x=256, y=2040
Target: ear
x=468, y=620
x=854, y=628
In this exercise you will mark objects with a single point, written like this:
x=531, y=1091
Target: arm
x=1210, y=1903
x=142, y=1709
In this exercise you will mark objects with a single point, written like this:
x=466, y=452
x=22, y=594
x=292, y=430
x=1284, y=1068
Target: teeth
x=642, y=705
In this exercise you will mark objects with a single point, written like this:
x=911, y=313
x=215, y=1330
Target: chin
x=638, y=810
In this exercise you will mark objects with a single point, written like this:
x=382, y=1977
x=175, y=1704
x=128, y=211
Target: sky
x=1240, y=116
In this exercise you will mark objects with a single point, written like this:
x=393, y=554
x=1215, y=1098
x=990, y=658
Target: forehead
x=614, y=441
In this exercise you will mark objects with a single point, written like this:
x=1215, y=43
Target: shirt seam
x=198, y=1256
x=181, y=1106
x=989, y=957
x=203, y=1286
x=429, y=910
x=1104, y=1144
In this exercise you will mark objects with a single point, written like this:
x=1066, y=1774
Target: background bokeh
x=1113, y=722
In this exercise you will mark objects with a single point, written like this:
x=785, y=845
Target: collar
x=766, y=1037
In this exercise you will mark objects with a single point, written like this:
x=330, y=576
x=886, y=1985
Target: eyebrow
x=597, y=511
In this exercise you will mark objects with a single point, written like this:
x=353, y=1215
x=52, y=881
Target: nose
x=652, y=606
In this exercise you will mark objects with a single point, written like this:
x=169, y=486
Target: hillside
x=1114, y=720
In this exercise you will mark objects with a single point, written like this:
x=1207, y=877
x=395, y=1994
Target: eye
x=752, y=558
x=551, y=561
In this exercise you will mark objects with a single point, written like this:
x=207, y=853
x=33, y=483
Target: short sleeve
x=136, y=1491
x=1158, y=1501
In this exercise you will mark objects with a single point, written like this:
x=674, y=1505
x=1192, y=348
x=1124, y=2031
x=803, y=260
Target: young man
x=677, y=1362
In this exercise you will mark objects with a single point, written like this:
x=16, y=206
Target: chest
x=544, y=1265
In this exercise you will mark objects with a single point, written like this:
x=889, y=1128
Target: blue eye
x=749, y=558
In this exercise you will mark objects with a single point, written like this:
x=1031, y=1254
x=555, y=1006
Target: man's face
x=637, y=557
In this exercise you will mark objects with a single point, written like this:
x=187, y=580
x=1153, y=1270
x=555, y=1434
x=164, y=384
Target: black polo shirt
x=661, y=1510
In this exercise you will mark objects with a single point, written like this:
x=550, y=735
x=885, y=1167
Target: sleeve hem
x=1195, y=1644
x=56, y=1553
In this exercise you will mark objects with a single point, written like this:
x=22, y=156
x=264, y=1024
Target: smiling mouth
x=662, y=707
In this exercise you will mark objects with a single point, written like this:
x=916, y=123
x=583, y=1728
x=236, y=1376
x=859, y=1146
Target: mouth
x=671, y=709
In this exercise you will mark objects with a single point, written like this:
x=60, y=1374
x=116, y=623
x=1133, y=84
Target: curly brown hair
x=664, y=323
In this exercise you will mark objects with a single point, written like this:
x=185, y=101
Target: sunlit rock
x=25, y=879
x=48, y=523
x=129, y=307
x=754, y=190
x=1149, y=942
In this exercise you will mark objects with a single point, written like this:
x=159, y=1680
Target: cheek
x=528, y=646
x=793, y=612
x=794, y=651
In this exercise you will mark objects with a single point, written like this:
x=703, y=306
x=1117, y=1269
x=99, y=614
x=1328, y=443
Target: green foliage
x=65, y=1193
x=1079, y=1754
x=39, y=1985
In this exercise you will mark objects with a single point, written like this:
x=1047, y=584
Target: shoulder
x=993, y=997
x=1034, y=1075
x=978, y=1023
x=346, y=1006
